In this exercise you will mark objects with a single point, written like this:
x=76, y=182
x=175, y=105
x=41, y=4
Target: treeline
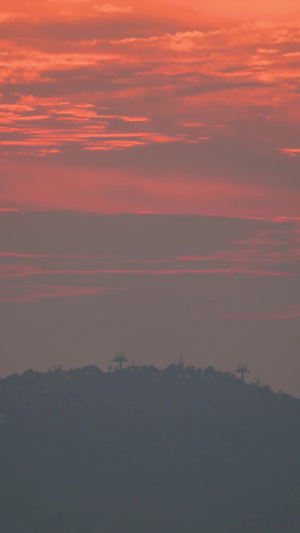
x=175, y=390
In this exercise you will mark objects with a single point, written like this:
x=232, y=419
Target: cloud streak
x=270, y=251
x=27, y=293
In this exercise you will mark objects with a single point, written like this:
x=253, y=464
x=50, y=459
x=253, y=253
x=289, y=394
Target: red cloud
x=26, y=270
x=85, y=80
x=27, y=293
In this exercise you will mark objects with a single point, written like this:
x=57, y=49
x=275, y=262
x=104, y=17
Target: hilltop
x=179, y=450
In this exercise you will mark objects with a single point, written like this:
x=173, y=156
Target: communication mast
x=242, y=370
x=120, y=359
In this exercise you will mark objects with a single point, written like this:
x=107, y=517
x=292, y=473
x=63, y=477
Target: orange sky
x=150, y=106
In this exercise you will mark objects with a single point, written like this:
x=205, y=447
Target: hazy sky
x=149, y=184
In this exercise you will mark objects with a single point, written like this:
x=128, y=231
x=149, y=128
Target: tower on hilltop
x=242, y=370
x=120, y=359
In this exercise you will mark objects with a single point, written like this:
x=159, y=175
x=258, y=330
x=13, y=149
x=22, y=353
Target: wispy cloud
x=28, y=293
x=142, y=88
x=290, y=151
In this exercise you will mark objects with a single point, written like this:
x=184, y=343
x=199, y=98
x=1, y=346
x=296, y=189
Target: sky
x=149, y=184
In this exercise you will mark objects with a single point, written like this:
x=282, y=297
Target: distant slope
x=143, y=450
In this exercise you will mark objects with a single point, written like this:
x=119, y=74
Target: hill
x=143, y=450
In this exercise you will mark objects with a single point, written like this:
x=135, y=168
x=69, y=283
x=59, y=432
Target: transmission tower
x=120, y=359
x=242, y=370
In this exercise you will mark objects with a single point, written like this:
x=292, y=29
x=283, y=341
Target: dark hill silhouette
x=143, y=450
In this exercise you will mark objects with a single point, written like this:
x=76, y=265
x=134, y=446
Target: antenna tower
x=242, y=370
x=120, y=359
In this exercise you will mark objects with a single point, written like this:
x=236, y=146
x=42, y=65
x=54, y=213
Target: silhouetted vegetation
x=143, y=450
